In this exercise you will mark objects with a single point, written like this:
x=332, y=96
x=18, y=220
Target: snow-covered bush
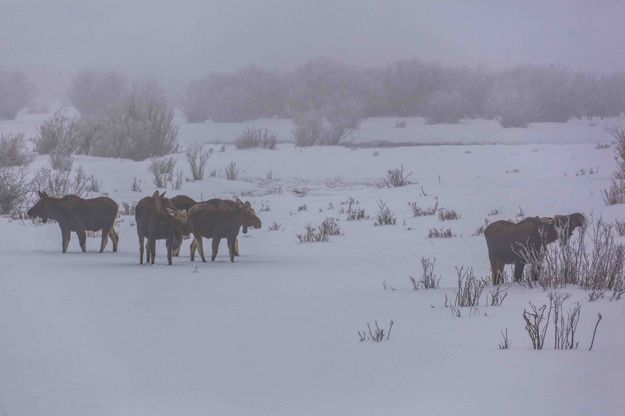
x=232, y=171
x=14, y=189
x=138, y=127
x=445, y=107
x=417, y=211
x=58, y=183
x=16, y=92
x=14, y=151
x=197, y=158
x=61, y=161
x=440, y=233
x=162, y=171
x=445, y=214
x=615, y=194
x=428, y=279
x=469, y=288
x=254, y=137
x=57, y=134
x=384, y=216
x=512, y=108
x=321, y=233
x=396, y=177
x=375, y=335
x=92, y=91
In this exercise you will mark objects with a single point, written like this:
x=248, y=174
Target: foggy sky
x=175, y=41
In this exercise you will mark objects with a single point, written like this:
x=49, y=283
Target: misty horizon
x=174, y=44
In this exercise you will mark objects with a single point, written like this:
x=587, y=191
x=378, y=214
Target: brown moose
x=219, y=219
x=185, y=202
x=75, y=214
x=514, y=243
x=156, y=220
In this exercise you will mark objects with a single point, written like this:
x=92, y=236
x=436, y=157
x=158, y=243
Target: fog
x=175, y=42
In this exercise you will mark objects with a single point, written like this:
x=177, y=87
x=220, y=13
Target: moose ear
x=42, y=194
x=247, y=204
x=238, y=201
x=155, y=194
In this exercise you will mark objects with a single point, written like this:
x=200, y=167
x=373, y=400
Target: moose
x=157, y=220
x=185, y=202
x=515, y=243
x=219, y=219
x=75, y=214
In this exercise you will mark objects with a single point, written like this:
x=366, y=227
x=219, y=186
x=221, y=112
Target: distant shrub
x=321, y=233
x=14, y=189
x=417, y=211
x=138, y=127
x=512, y=107
x=384, y=216
x=615, y=194
x=375, y=335
x=396, y=177
x=16, y=92
x=58, y=183
x=14, y=151
x=136, y=185
x=400, y=124
x=254, y=137
x=92, y=91
x=162, y=171
x=440, y=233
x=329, y=125
x=428, y=279
x=445, y=214
x=61, y=161
x=57, y=134
x=275, y=226
x=197, y=158
x=445, y=107
x=232, y=172
x=469, y=288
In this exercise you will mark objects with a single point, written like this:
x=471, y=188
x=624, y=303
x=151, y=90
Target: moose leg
x=236, y=247
x=192, y=248
x=105, y=239
x=82, y=238
x=496, y=268
x=170, y=249
x=216, y=242
x=177, y=245
x=152, y=244
x=114, y=239
x=519, y=265
x=141, y=249
x=231, y=247
x=65, y=239
x=200, y=246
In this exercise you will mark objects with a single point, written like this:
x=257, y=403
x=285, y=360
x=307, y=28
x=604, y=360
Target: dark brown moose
x=515, y=243
x=185, y=202
x=219, y=219
x=157, y=221
x=75, y=214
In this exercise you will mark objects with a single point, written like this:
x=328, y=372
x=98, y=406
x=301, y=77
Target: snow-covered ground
x=275, y=333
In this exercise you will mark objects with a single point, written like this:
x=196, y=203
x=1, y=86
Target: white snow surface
x=275, y=332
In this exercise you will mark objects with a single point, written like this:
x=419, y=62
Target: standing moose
x=510, y=243
x=219, y=219
x=75, y=214
x=157, y=221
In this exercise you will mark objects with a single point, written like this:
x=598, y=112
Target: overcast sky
x=177, y=40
